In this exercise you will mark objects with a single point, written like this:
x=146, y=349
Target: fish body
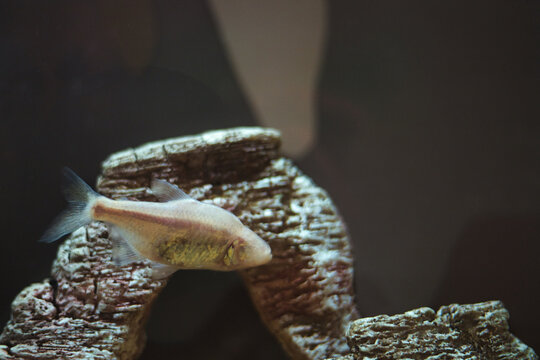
x=181, y=233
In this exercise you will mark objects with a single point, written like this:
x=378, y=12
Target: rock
x=91, y=309
x=305, y=294
x=477, y=331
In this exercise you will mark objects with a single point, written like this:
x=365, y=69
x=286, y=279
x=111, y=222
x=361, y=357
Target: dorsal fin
x=166, y=191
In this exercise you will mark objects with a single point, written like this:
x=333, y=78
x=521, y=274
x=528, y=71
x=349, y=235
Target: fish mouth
x=257, y=251
x=264, y=254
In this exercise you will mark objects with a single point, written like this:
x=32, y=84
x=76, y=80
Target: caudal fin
x=78, y=195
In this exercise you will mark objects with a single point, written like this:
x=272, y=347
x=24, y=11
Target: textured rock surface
x=305, y=294
x=91, y=309
x=477, y=331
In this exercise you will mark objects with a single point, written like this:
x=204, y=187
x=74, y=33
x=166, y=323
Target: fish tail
x=79, y=196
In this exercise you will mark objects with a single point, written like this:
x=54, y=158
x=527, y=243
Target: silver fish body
x=181, y=233
x=184, y=233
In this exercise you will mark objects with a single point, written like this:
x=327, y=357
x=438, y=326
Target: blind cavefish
x=179, y=233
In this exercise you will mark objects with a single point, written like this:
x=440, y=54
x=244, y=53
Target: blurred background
x=420, y=119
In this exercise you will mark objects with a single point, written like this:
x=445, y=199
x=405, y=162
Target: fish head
x=248, y=250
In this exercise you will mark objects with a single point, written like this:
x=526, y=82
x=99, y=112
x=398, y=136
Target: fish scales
x=185, y=233
x=181, y=233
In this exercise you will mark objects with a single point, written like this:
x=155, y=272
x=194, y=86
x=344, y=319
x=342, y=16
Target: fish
x=177, y=233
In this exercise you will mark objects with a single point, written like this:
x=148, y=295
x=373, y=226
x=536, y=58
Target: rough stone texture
x=91, y=309
x=305, y=294
x=477, y=331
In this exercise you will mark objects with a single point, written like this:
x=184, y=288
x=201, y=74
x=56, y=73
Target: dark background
x=428, y=141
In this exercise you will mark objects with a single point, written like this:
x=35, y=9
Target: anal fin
x=160, y=271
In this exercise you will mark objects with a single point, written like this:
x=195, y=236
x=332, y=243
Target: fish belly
x=191, y=249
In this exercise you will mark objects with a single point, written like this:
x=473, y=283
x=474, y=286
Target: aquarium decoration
x=92, y=309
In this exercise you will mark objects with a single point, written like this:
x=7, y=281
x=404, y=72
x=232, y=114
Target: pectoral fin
x=122, y=252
